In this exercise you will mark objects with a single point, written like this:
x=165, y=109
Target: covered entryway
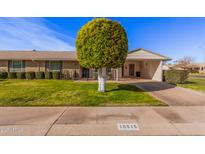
x=143, y=64
x=131, y=70
x=145, y=69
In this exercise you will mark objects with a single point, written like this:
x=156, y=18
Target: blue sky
x=173, y=37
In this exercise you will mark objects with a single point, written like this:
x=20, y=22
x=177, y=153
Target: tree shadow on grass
x=125, y=87
x=189, y=82
x=154, y=86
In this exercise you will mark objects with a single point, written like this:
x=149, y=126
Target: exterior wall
x=72, y=66
x=148, y=69
x=157, y=76
x=34, y=66
x=4, y=65
x=202, y=69
x=41, y=66
x=137, y=67
x=151, y=70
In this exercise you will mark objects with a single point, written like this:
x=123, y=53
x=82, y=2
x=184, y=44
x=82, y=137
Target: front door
x=85, y=72
x=131, y=69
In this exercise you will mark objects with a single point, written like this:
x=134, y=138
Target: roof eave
x=163, y=59
x=42, y=59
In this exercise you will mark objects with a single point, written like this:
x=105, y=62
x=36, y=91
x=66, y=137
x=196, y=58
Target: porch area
x=143, y=69
x=135, y=69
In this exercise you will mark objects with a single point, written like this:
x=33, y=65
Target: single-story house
x=166, y=67
x=196, y=67
x=140, y=63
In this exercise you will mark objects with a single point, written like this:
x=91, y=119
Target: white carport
x=142, y=63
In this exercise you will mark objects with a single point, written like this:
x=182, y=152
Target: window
x=17, y=66
x=108, y=69
x=55, y=66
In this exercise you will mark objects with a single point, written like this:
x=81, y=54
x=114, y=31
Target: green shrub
x=30, y=75
x=3, y=75
x=66, y=75
x=194, y=71
x=48, y=75
x=40, y=75
x=56, y=75
x=11, y=75
x=102, y=43
x=75, y=75
x=20, y=75
x=176, y=76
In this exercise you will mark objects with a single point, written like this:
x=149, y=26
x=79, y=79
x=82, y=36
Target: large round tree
x=102, y=43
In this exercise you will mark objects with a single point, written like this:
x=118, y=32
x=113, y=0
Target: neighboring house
x=193, y=67
x=139, y=63
x=166, y=67
x=171, y=67
x=196, y=67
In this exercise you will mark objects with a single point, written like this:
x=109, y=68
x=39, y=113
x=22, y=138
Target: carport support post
x=158, y=73
x=161, y=72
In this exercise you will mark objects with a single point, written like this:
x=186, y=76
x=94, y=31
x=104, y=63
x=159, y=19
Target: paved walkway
x=175, y=120
x=172, y=95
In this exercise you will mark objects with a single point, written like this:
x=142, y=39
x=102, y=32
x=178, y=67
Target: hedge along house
x=139, y=63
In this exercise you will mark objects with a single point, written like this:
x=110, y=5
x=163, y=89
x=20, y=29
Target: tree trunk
x=101, y=79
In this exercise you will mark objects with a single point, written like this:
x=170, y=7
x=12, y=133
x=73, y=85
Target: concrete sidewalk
x=175, y=120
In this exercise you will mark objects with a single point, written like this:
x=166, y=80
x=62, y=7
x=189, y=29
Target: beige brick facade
x=34, y=66
x=4, y=65
x=71, y=66
x=148, y=69
x=146, y=63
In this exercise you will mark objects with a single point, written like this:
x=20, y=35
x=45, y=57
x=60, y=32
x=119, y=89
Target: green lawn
x=70, y=93
x=195, y=84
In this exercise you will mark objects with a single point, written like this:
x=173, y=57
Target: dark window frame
x=12, y=66
x=49, y=67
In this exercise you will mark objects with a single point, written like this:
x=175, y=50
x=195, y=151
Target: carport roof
x=142, y=54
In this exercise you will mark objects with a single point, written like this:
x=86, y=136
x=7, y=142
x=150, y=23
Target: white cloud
x=31, y=33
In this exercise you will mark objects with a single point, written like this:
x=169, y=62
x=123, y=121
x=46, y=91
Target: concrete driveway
x=176, y=120
x=172, y=95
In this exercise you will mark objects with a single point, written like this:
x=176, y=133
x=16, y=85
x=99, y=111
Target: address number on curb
x=128, y=126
